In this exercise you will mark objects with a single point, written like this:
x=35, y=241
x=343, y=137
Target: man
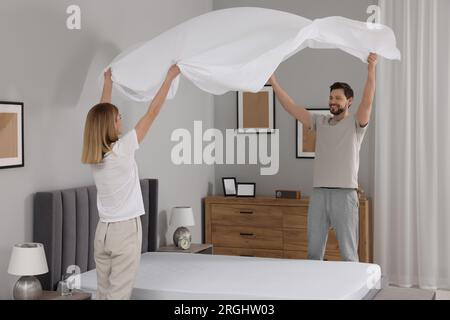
x=334, y=200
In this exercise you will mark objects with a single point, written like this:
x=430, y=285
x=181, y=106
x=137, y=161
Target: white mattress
x=201, y=276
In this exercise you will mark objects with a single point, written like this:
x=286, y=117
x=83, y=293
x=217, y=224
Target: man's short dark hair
x=348, y=91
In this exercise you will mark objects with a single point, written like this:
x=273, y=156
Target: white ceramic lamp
x=27, y=260
x=182, y=217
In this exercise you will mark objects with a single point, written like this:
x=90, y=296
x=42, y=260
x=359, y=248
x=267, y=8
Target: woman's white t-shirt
x=119, y=195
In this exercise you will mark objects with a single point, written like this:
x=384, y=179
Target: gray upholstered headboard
x=65, y=222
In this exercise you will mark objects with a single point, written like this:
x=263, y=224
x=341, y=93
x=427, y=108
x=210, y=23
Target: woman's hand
x=155, y=106
x=108, y=75
x=107, y=87
x=173, y=72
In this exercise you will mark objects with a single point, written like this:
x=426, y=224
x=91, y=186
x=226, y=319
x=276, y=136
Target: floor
x=442, y=295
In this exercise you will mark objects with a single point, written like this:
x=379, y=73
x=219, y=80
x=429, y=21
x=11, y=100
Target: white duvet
x=239, y=49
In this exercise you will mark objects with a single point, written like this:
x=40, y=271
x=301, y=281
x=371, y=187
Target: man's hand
x=298, y=112
x=372, y=60
x=365, y=108
x=173, y=72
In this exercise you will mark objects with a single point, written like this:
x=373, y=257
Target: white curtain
x=412, y=147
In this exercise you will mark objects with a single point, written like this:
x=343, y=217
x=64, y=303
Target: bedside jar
x=63, y=289
x=64, y=286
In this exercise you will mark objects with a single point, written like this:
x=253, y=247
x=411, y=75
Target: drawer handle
x=245, y=234
x=246, y=212
x=246, y=255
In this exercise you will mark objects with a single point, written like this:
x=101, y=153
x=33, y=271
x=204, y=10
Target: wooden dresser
x=271, y=227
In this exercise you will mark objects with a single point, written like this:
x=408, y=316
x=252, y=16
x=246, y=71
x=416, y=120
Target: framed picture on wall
x=11, y=135
x=306, y=139
x=256, y=111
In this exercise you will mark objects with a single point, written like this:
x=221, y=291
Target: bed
x=168, y=275
x=65, y=221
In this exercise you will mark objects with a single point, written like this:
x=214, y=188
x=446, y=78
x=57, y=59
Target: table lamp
x=27, y=260
x=182, y=217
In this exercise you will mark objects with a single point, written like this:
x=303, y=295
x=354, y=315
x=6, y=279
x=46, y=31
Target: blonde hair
x=99, y=132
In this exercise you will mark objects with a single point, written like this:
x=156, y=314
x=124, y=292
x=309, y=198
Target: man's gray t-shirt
x=337, y=151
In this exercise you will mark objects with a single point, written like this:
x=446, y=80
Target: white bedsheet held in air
x=239, y=49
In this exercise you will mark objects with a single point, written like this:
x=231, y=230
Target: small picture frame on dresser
x=229, y=186
x=246, y=189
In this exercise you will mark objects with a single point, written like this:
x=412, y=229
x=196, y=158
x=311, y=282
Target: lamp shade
x=28, y=259
x=182, y=216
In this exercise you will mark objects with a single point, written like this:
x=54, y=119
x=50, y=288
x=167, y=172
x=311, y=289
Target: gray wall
x=54, y=72
x=306, y=77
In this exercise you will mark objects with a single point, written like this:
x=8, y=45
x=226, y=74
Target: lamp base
x=181, y=232
x=27, y=288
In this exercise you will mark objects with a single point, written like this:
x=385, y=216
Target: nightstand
x=205, y=248
x=54, y=295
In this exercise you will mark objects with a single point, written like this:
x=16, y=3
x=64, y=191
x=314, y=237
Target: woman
x=118, y=237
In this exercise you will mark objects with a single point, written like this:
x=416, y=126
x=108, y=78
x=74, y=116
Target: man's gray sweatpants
x=339, y=209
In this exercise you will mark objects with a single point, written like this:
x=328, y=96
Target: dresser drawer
x=247, y=215
x=296, y=239
x=247, y=237
x=332, y=242
x=332, y=249
x=332, y=256
x=244, y=252
x=295, y=254
x=295, y=217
